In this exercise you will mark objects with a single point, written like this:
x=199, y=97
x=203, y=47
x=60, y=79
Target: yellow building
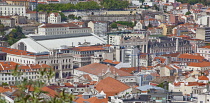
x=164, y=26
x=18, y=2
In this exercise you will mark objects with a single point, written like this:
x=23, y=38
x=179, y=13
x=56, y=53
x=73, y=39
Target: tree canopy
x=61, y=7
x=114, y=4
x=204, y=2
x=15, y=35
x=90, y=5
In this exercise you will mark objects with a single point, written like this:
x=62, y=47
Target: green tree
x=63, y=17
x=26, y=96
x=15, y=35
x=114, y=4
x=113, y=25
x=129, y=24
x=188, y=13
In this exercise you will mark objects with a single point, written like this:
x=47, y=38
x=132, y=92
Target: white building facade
x=98, y=27
x=54, y=18
x=6, y=10
x=59, y=29
x=61, y=62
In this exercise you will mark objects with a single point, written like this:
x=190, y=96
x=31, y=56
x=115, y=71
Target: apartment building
x=164, y=45
x=18, y=3
x=30, y=71
x=64, y=28
x=204, y=51
x=98, y=27
x=203, y=33
x=61, y=62
x=42, y=16
x=7, y=21
x=82, y=55
x=54, y=18
x=7, y=10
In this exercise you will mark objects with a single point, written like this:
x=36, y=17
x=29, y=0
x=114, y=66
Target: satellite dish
x=204, y=90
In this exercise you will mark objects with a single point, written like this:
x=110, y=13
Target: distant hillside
x=205, y=2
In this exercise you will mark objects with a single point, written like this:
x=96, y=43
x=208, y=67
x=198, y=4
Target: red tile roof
x=191, y=56
x=56, y=14
x=203, y=78
x=190, y=84
x=111, y=61
x=5, y=17
x=90, y=48
x=49, y=91
x=128, y=70
x=99, y=69
x=15, y=51
x=208, y=47
x=199, y=64
x=159, y=58
x=12, y=65
x=111, y=86
x=91, y=100
x=86, y=76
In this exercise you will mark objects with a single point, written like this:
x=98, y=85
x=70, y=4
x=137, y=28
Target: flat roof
x=50, y=37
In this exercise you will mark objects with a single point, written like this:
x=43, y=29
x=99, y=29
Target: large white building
x=98, y=27
x=54, y=18
x=59, y=29
x=38, y=44
x=6, y=10
x=61, y=62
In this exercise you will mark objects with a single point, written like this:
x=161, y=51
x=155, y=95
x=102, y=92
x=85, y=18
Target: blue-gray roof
x=147, y=87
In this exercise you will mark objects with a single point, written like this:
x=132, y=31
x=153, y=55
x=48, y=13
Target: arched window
x=22, y=46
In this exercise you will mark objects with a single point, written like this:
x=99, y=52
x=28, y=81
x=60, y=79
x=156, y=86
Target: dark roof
x=49, y=37
x=159, y=80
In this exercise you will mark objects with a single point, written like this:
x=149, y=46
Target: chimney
x=168, y=60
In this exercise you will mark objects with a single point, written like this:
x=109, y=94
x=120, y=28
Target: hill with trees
x=204, y=2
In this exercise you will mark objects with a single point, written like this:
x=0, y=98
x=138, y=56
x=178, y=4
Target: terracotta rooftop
x=49, y=91
x=203, y=78
x=111, y=61
x=86, y=76
x=191, y=56
x=99, y=69
x=7, y=17
x=128, y=70
x=5, y=89
x=199, y=64
x=12, y=66
x=91, y=100
x=78, y=23
x=90, y=48
x=162, y=60
x=111, y=86
x=208, y=47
